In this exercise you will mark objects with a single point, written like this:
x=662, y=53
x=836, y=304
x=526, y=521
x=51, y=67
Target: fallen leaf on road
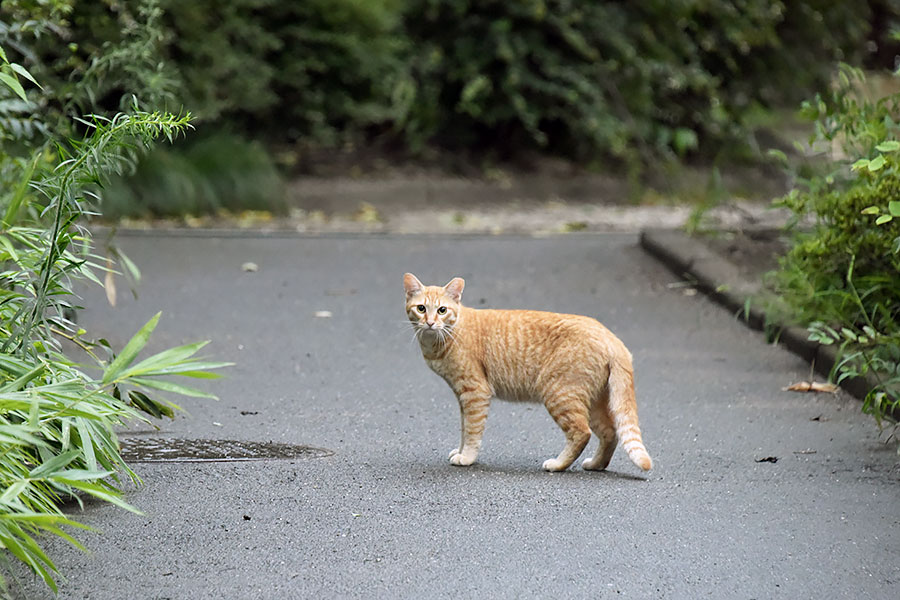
x=574, y=226
x=771, y=459
x=815, y=386
x=367, y=213
x=250, y=218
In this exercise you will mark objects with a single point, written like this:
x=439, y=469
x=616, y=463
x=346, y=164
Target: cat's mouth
x=432, y=331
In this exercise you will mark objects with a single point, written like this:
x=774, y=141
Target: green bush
x=840, y=277
x=615, y=78
x=120, y=50
x=321, y=70
x=589, y=80
x=215, y=173
x=341, y=72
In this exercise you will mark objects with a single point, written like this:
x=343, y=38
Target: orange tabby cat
x=574, y=365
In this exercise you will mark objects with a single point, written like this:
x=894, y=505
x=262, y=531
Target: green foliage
x=326, y=70
x=79, y=79
x=636, y=81
x=127, y=65
x=120, y=51
x=221, y=51
x=57, y=431
x=841, y=275
x=340, y=69
x=218, y=172
x=58, y=416
x=613, y=78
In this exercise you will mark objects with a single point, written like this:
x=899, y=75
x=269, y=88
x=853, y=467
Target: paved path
x=387, y=517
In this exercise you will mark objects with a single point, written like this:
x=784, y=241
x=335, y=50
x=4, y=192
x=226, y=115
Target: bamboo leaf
x=54, y=464
x=14, y=545
x=16, y=434
x=13, y=491
x=13, y=84
x=83, y=428
x=21, y=382
x=165, y=359
x=24, y=73
x=131, y=350
x=195, y=374
x=194, y=369
x=10, y=249
x=83, y=474
x=129, y=266
x=168, y=386
x=97, y=491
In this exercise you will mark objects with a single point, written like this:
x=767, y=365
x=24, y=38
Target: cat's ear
x=412, y=284
x=454, y=289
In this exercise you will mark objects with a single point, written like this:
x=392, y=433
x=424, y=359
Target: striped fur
x=574, y=365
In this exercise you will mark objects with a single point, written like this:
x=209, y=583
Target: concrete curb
x=722, y=282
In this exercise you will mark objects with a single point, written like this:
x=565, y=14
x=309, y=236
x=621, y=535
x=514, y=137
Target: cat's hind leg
x=570, y=412
x=603, y=428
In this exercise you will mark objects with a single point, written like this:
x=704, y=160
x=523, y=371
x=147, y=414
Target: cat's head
x=433, y=309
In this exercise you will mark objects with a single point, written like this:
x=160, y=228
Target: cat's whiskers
x=446, y=334
x=408, y=325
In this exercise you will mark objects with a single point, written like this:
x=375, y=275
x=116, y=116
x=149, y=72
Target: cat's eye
x=421, y=308
x=442, y=310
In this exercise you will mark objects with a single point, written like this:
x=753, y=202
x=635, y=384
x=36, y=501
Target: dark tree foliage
x=634, y=80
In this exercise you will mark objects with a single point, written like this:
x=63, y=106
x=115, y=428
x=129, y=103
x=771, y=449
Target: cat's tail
x=623, y=409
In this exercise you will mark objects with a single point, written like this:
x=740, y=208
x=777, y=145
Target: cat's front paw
x=453, y=452
x=461, y=460
x=551, y=464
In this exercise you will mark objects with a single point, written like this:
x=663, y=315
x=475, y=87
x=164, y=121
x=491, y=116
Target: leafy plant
x=840, y=278
x=319, y=72
x=58, y=416
x=212, y=174
x=637, y=81
x=882, y=166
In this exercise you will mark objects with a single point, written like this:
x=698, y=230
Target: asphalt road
x=386, y=516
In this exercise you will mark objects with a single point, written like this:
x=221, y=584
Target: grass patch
x=219, y=172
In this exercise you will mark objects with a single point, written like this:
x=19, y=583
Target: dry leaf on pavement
x=815, y=386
